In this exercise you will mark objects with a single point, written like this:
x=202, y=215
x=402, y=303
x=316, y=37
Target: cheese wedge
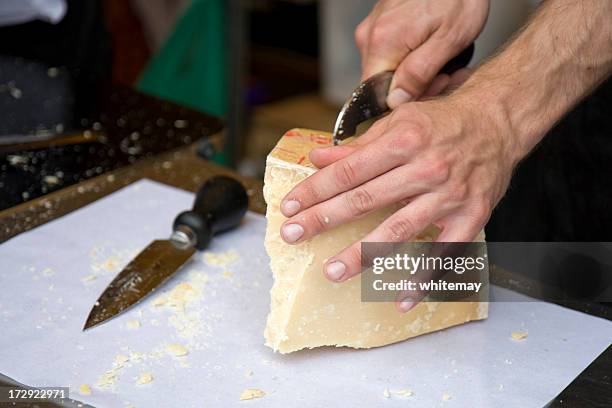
x=307, y=310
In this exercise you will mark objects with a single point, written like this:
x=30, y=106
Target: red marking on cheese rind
x=296, y=144
x=319, y=139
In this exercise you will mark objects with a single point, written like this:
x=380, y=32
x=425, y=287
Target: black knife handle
x=460, y=61
x=220, y=205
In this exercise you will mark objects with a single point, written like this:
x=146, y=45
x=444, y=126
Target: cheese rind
x=307, y=310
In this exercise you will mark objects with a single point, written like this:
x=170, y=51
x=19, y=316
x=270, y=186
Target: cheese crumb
x=180, y=295
x=519, y=335
x=221, y=258
x=227, y=274
x=404, y=392
x=176, y=350
x=144, y=378
x=251, y=393
x=108, y=379
x=158, y=301
x=110, y=264
x=386, y=393
x=85, y=389
x=121, y=359
x=48, y=272
x=248, y=373
x=137, y=356
x=133, y=324
x=89, y=278
x=446, y=397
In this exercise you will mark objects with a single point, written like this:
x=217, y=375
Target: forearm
x=560, y=56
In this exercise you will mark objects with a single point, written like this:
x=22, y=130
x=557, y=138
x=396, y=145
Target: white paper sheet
x=47, y=292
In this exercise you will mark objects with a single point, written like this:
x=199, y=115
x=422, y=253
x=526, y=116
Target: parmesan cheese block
x=308, y=310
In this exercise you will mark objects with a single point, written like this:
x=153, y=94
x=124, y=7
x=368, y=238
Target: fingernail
x=398, y=96
x=335, y=270
x=292, y=232
x=406, y=304
x=290, y=207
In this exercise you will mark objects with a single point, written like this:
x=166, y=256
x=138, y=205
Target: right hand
x=417, y=38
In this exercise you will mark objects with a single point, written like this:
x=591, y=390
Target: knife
x=220, y=205
x=369, y=99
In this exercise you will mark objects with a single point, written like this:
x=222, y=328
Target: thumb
x=416, y=72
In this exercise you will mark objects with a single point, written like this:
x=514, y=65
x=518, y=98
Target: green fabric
x=190, y=68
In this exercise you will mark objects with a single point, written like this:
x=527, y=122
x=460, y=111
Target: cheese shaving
x=176, y=350
x=144, y=378
x=251, y=393
x=133, y=324
x=519, y=335
x=84, y=389
x=221, y=258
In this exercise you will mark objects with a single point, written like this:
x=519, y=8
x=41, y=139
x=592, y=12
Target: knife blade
x=220, y=205
x=369, y=99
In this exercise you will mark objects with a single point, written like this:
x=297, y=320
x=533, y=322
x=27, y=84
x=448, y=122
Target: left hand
x=448, y=161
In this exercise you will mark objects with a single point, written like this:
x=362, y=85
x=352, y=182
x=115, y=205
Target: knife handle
x=220, y=205
x=460, y=61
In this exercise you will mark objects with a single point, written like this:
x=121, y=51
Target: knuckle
x=459, y=192
x=316, y=222
x=400, y=143
x=457, y=39
x=309, y=192
x=345, y=174
x=438, y=170
x=401, y=229
x=417, y=74
x=353, y=257
x=359, y=202
x=379, y=34
x=361, y=34
x=407, y=141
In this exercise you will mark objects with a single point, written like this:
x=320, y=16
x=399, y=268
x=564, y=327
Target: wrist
x=487, y=107
x=522, y=111
x=545, y=71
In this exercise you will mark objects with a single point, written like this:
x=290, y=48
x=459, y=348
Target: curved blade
x=367, y=101
x=154, y=265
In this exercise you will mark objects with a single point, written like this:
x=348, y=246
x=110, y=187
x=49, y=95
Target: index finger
x=345, y=174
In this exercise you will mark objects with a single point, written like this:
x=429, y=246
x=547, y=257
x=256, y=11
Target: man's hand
x=446, y=161
x=417, y=38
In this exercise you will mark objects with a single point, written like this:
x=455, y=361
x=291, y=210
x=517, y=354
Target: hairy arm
x=555, y=61
x=448, y=160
